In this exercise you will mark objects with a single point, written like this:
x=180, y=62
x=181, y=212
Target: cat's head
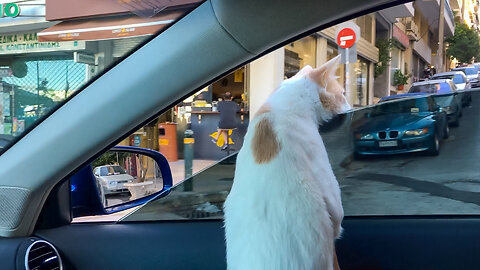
x=331, y=93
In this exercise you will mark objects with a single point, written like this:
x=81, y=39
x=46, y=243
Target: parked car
x=112, y=178
x=472, y=74
x=458, y=77
x=402, y=124
x=445, y=95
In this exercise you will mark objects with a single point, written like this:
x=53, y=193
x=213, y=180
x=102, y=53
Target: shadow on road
x=417, y=185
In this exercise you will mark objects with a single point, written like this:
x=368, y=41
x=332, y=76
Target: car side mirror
x=140, y=175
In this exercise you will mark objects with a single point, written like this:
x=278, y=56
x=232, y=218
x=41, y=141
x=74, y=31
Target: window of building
x=366, y=27
x=299, y=54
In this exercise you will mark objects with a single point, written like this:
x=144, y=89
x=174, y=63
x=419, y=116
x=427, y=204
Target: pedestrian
x=228, y=118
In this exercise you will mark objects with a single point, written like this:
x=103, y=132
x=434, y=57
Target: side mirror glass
x=124, y=177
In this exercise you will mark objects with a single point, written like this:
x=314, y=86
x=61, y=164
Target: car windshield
x=414, y=105
x=444, y=100
x=469, y=70
x=455, y=77
x=117, y=170
x=430, y=88
x=60, y=46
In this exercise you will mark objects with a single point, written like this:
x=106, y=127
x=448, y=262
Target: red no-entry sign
x=346, y=38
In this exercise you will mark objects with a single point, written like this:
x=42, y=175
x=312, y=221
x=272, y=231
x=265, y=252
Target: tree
x=464, y=45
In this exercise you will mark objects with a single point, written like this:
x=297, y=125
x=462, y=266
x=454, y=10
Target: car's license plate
x=387, y=143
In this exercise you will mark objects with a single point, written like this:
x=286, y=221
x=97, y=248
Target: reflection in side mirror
x=121, y=178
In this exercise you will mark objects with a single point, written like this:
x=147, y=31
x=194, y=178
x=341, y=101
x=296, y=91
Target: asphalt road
x=418, y=184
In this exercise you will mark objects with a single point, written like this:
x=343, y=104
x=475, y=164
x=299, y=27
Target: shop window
x=299, y=54
x=366, y=27
x=360, y=85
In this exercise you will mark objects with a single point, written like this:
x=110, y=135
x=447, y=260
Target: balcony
x=411, y=29
x=423, y=50
x=430, y=9
x=400, y=11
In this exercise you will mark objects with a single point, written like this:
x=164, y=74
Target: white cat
x=284, y=210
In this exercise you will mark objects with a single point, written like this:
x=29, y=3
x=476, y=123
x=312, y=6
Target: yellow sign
x=238, y=75
x=163, y=142
x=188, y=140
x=221, y=141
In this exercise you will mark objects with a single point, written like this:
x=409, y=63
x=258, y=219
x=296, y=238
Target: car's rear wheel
x=435, y=148
x=447, y=132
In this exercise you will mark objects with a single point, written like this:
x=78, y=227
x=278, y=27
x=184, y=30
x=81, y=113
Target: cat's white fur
x=284, y=214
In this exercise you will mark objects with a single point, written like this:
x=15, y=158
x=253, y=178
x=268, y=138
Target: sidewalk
x=178, y=168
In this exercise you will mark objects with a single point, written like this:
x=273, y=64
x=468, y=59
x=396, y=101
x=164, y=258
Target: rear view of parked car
x=472, y=74
x=445, y=95
x=459, y=79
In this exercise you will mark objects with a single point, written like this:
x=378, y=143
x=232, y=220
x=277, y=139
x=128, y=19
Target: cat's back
x=275, y=215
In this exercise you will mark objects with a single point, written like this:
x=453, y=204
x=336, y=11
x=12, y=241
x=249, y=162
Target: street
x=418, y=184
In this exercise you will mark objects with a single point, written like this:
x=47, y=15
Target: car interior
x=36, y=200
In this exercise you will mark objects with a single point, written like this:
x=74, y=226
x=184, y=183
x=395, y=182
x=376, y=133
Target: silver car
x=458, y=77
x=112, y=178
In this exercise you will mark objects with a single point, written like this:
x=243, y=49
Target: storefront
x=34, y=75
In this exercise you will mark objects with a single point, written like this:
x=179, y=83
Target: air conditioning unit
x=412, y=30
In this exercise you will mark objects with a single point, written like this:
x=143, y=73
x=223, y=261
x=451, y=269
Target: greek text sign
x=28, y=43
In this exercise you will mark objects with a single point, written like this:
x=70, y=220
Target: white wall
x=265, y=74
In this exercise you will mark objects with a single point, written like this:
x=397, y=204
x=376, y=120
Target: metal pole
x=347, y=75
x=188, y=144
x=441, y=29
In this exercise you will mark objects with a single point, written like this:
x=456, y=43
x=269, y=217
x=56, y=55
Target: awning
x=107, y=28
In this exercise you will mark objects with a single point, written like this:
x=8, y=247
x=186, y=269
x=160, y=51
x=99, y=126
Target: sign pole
x=346, y=37
x=347, y=75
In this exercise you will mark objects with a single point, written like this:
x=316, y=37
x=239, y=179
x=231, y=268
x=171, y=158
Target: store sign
x=136, y=140
x=11, y=10
x=28, y=43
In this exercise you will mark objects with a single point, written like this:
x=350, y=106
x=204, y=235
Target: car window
x=444, y=100
x=402, y=156
x=405, y=106
x=118, y=170
x=458, y=79
x=43, y=63
x=425, y=88
x=103, y=171
x=469, y=70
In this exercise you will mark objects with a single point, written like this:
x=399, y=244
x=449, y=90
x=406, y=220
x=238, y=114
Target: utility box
x=167, y=140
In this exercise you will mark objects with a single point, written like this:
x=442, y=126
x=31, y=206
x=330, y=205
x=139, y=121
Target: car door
x=211, y=40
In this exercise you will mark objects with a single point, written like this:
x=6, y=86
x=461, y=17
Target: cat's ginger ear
x=304, y=71
x=322, y=74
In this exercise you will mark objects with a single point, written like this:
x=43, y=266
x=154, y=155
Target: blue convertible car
x=401, y=124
